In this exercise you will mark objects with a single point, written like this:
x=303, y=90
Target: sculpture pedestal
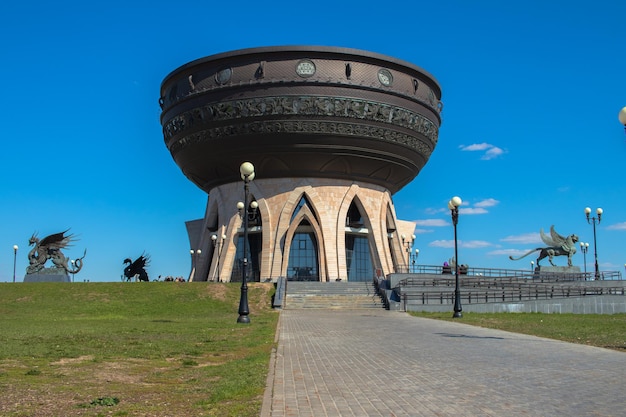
x=558, y=269
x=558, y=273
x=48, y=275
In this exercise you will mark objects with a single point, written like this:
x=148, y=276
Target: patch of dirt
x=217, y=291
x=68, y=361
x=71, y=386
x=263, y=289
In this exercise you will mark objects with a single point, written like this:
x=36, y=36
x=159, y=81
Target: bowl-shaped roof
x=300, y=111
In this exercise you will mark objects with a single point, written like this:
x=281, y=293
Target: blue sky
x=530, y=135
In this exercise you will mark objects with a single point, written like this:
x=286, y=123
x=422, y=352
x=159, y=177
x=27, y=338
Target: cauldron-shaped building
x=333, y=133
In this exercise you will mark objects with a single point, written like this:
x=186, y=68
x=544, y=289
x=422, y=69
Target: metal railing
x=379, y=287
x=504, y=295
x=490, y=285
x=281, y=292
x=503, y=274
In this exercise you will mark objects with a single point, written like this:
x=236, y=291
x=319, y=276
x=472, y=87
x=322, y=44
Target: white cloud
x=617, y=226
x=507, y=252
x=422, y=231
x=432, y=223
x=431, y=210
x=474, y=244
x=470, y=244
x=466, y=208
x=526, y=239
x=492, y=153
x=490, y=150
x=473, y=210
x=476, y=147
x=442, y=243
x=489, y=202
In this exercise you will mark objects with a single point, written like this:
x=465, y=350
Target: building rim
x=264, y=51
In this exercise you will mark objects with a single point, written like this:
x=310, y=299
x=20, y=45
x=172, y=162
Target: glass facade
x=253, y=271
x=303, y=259
x=358, y=258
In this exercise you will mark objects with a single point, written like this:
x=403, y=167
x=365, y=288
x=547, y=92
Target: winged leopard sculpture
x=557, y=246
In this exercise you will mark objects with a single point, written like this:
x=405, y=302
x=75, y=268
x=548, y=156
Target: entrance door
x=303, y=260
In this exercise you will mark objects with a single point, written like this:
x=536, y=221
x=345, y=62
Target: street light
x=408, y=244
x=15, y=248
x=584, y=248
x=73, y=262
x=247, y=174
x=194, y=260
x=217, y=244
x=453, y=205
x=415, y=255
x=593, y=221
x=622, y=117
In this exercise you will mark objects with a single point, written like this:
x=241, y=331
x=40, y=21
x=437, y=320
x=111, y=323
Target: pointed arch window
x=354, y=218
x=303, y=255
x=358, y=253
x=304, y=201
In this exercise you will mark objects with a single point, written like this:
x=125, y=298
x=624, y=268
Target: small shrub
x=189, y=362
x=105, y=402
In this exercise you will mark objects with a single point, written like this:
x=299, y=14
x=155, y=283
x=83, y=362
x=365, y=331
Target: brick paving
x=382, y=363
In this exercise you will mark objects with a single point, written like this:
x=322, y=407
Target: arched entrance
x=358, y=252
x=303, y=255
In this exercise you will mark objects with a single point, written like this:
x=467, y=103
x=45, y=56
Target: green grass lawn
x=133, y=349
x=601, y=330
x=175, y=349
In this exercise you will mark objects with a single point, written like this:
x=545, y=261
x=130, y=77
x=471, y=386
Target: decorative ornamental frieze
x=310, y=106
x=303, y=127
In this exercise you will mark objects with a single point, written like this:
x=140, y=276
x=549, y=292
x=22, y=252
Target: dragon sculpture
x=137, y=268
x=50, y=248
x=557, y=246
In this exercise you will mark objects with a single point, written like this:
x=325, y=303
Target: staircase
x=331, y=295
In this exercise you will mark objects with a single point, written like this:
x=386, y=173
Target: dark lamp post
x=15, y=248
x=408, y=244
x=622, y=117
x=584, y=248
x=453, y=205
x=594, y=220
x=416, y=254
x=247, y=174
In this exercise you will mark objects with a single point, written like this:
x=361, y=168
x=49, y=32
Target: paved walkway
x=382, y=363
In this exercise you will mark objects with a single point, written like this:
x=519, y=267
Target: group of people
x=447, y=269
x=170, y=278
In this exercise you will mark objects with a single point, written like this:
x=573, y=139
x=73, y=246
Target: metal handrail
x=485, y=297
x=418, y=278
x=281, y=291
x=381, y=292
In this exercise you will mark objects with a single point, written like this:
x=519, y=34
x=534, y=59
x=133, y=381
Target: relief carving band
x=49, y=248
x=343, y=129
x=303, y=106
x=557, y=246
